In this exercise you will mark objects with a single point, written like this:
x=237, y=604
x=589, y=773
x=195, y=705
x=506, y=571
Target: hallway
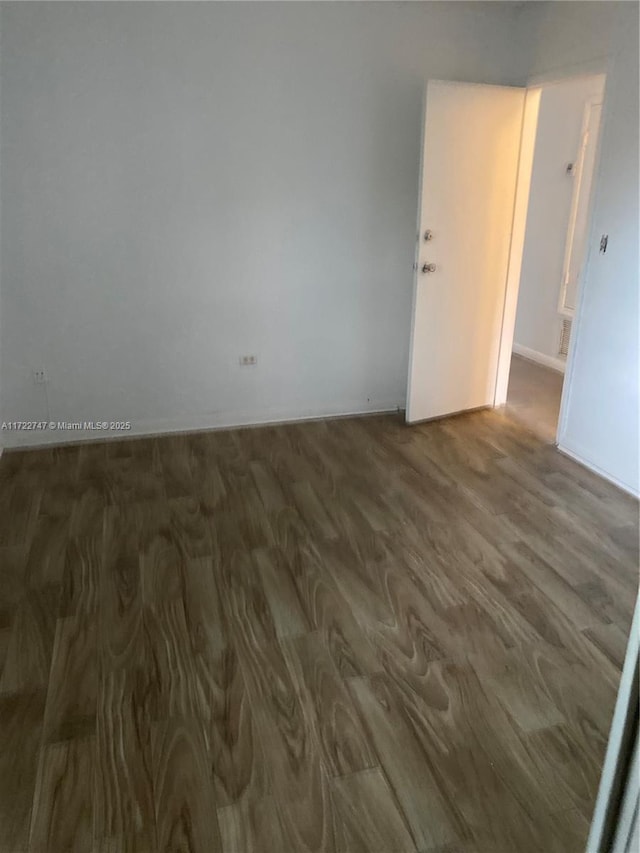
x=534, y=396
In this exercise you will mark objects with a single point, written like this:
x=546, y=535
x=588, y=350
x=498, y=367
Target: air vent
x=565, y=335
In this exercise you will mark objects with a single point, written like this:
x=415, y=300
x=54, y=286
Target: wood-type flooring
x=346, y=636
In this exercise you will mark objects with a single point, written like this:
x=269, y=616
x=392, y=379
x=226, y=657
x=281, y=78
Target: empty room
x=319, y=447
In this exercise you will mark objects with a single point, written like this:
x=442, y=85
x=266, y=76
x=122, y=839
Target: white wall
x=599, y=421
x=184, y=183
x=558, y=139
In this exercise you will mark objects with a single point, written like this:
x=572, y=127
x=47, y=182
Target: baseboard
x=533, y=355
x=587, y=463
x=196, y=423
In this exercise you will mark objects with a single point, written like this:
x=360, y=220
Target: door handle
x=428, y=268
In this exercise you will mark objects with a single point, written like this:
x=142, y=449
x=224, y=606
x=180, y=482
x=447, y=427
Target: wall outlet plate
x=40, y=376
x=248, y=360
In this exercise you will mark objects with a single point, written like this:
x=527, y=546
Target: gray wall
x=184, y=183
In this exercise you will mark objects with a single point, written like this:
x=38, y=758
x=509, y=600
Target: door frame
x=416, y=255
x=618, y=788
x=578, y=197
x=536, y=83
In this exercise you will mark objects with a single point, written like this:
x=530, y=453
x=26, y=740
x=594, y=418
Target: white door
x=469, y=170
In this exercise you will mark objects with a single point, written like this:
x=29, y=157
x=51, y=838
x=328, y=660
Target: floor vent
x=565, y=335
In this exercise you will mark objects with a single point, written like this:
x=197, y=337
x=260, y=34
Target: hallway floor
x=344, y=636
x=534, y=396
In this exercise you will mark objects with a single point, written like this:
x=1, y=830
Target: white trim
x=416, y=256
x=528, y=138
x=628, y=816
x=196, y=423
x=614, y=761
x=604, y=67
x=578, y=456
x=578, y=197
x=558, y=364
x=576, y=323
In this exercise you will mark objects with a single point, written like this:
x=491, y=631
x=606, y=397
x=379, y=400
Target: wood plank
x=46, y=554
x=611, y=640
x=19, y=505
x=21, y=716
x=242, y=520
x=176, y=462
x=12, y=590
x=203, y=610
x=185, y=807
x=120, y=624
x=560, y=764
x=124, y=816
x=328, y=612
x=298, y=778
x=451, y=708
x=60, y=490
x=87, y=514
x=412, y=776
x=30, y=644
x=367, y=817
x=73, y=686
x=62, y=806
x=174, y=683
x=189, y=527
x=569, y=829
x=398, y=620
x=312, y=510
x=541, y=575
x=251, y=826
x=517, y=678
x=288, y=615
x=132, y=482
x=81, y=576
x=238, y=765
x=284, y=519
x=162, y=559
x=268, y=487
x=327, y=707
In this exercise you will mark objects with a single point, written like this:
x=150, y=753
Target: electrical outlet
x=40, y=376
x=248, y=360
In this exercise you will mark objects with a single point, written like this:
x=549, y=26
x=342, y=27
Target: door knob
x=428, y=268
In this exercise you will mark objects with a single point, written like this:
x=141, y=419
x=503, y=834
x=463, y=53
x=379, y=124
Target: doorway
x=555, y=247
x=502, y=234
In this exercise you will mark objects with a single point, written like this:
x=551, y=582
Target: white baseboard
x=195, y=423
x=533, y=355
x=583, y=460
